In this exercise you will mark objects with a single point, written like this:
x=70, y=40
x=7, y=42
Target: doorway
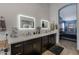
x=67, y=22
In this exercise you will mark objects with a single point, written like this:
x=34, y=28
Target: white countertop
x=25, y=38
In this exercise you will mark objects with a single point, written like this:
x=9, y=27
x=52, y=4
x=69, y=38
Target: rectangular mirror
x=44, y=24
x=26, y=22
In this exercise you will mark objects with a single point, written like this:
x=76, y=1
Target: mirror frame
x=19, y=22
x=47, y=23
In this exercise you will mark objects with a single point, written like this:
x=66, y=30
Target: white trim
x=20, y=23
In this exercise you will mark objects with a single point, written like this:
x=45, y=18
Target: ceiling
x=68, y=13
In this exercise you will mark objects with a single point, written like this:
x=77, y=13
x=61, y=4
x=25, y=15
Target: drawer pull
x=18, y=45
x=18, y=53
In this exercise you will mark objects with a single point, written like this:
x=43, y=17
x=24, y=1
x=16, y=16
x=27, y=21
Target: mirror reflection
x=26, y=22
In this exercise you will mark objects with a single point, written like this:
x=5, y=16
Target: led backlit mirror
x=44, y=24
x=26, y=22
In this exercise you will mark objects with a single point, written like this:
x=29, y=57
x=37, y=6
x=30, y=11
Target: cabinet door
x=44, y=43
x=28, y=47
x=17, y=49
x=52, y=39
x=37, y=46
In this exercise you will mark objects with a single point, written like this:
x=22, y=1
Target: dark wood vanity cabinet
x=48, y=41
x=34, y=46
x=22, y=48
x=28, y=46
x=17, y=48
x=37, y=46
x=52, y=39
x=44, y=43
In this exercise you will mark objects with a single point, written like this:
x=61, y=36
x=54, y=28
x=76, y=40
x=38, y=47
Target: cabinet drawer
x=17, y=49
x=16, y=52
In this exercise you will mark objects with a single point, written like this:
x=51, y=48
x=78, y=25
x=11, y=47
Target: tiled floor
x=69, y=48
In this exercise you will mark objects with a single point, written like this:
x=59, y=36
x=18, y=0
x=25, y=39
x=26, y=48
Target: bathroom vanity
x=32, y=45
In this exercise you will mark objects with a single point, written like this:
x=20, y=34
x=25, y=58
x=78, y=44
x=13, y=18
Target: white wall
x=77, y=26
x=54, y=7
x=10, y=12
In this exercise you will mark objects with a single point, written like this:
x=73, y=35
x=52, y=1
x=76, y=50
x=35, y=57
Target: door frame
x=59, y=15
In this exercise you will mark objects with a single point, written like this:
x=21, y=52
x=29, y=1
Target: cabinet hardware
x=18, y=45
x=18, y=53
